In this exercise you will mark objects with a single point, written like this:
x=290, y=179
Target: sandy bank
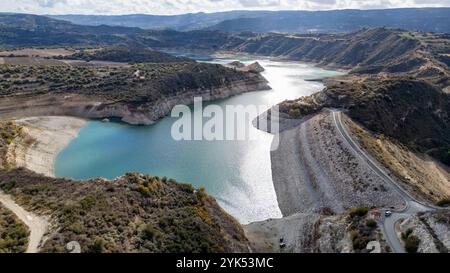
x=43, y=139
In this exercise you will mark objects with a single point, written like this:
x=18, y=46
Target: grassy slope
x=135, y=213
x=13, y=233
x=126, y=54
x=117, y=83
x=413, y=112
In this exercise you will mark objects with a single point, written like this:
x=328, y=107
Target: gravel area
x=315, y=168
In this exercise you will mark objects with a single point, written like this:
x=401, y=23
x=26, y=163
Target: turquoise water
x=237, y=173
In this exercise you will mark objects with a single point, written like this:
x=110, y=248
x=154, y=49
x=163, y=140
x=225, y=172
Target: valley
x=353, y=145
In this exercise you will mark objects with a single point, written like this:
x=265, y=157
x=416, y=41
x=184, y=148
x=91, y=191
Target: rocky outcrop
x=236, y=64
x=144, y=113
x=148, y=113
x=254, y=67
x=137, y=100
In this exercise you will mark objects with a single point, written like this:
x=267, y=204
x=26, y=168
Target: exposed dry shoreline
x=315, y=171
x=94, y=107
x=41, y=141
x=314, y=168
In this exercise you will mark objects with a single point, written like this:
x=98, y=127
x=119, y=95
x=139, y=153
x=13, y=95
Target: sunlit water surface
x=237, y=173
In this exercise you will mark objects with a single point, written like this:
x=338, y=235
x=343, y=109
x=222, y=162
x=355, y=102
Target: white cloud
x=184, y=6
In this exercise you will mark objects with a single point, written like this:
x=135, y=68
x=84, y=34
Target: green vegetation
x=362, y=229
x=371, y=223
x=125, y=54
x=294, y=113
x=380, y=106
x=13, y=233
x=98, y=246
x=9, y=130
x=411, y=241
x=362, y=211
x=7, y=186
x=135, y=213
x=137, y=83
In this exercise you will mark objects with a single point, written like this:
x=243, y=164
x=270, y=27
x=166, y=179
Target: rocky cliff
x=138, y=94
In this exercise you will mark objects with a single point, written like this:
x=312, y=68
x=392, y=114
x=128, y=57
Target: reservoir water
x=237, y=173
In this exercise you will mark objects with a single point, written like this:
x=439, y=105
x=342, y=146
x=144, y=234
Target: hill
x=138, y=94
x=367, y=51
x=23, y=30
x=423, y=19
x=415, y=113
x=133, y=213
x=125, y=54
x=183, y=22
x=426, y=19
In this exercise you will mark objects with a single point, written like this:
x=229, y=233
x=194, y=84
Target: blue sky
x=185, y=6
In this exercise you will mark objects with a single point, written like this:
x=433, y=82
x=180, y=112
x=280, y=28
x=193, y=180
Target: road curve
x=412, y=206
x=37, y=225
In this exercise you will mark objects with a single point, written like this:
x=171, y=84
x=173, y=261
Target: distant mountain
x=426, y=19
x=422, y=19
x=17, y=30
x=184, y=22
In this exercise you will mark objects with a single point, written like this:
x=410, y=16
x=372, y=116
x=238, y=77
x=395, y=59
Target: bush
x=371, y=223
x=13, y=233
x=150, y=232
x=411, y=241
x=412, y=244
x=407, y=233
x=98, y=246
x=7, y=186
x=359, y=241
x=294, y=113
x=359, y=212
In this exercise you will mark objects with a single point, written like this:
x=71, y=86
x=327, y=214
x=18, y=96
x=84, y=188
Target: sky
x=109, y=7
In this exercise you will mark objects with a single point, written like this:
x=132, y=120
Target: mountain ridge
x=279, y=21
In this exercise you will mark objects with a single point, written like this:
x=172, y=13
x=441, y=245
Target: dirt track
x=37, y=225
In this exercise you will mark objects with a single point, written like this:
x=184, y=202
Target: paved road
x=37, y=225
x=412, y=206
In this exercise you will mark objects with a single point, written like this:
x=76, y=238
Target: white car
x=388, y=213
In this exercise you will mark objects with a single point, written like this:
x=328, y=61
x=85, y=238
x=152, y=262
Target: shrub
x=150, y=232
x=98, y=246
x=294, y=113
x=7, y=186
x=371, y=223
x=13, y=233
x=359, y=241
x=359, y=212
x=412, y=244
x=406, y=234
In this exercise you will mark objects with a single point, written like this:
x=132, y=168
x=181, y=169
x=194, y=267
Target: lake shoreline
x=31, y=154
x=42, y=139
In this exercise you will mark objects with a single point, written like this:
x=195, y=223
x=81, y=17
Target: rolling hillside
x=423, y=19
